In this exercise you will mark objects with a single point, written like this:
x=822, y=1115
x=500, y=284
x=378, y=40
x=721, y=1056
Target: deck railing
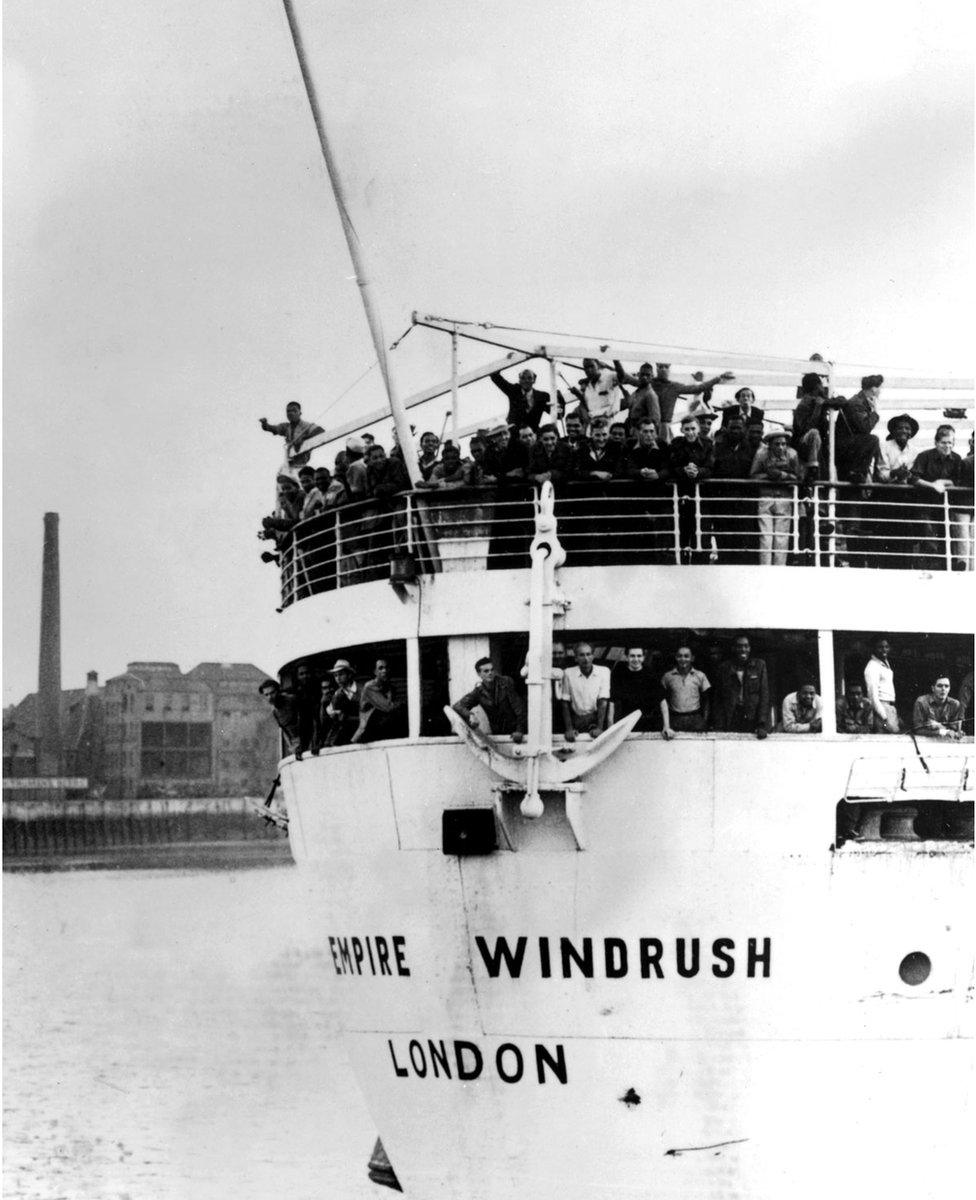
x=726, y=521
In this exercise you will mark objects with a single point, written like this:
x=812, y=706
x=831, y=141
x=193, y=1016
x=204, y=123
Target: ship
x=712, y=965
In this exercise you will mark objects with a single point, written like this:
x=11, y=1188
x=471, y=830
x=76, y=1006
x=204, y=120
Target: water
x=167, y=1035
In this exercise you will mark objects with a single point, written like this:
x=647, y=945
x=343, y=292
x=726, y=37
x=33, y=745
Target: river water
x=167, y=1035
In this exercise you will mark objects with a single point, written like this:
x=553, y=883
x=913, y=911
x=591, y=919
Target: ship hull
x=681, y=989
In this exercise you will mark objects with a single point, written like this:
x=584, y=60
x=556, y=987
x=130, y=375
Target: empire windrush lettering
x=614, y=958
x=465, y=1061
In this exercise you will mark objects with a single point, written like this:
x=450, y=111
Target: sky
x=770, y=176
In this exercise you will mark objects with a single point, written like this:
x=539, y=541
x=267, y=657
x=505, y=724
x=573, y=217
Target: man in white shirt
x=585, y=694
x=897, y=453
x=599, y=393
x=879, y=682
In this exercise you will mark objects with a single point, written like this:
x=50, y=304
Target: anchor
x=534, y=765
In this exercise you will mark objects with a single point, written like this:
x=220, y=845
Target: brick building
x=155, y=731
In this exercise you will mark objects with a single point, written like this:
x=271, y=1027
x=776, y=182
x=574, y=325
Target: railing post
x=338, y=550
x=698, y=522
x=676, y=523
x=410, y=522
x=825, y=656
x=796, y=519
x=947, y=526
x=816, y=525
x=413, y=687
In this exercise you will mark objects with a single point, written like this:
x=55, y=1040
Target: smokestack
x=49, y=667
x=91, y=683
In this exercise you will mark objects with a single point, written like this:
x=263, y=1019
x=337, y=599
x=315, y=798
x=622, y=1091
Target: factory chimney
x=49, y=750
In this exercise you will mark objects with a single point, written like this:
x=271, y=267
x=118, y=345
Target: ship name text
x=615, y=958
x=369, y=955
x=464, y=1061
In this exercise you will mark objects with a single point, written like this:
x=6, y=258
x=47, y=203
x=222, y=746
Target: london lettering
x=615, y=958
x=465, y=1061
x=370, y=955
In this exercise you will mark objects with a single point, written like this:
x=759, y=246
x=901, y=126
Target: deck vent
x=467, y=831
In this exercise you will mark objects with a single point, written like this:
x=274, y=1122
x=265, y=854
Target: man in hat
x=343, y=707
x=493, y=705
x=294, y=430
x=810, y=424
x=503, y=457
x=889, y=532
x=526, y=404
x=778, y=465
x=356, y=480
x=897, y=455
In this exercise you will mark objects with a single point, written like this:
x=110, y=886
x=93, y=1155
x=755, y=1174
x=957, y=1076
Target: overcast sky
x=765, y=176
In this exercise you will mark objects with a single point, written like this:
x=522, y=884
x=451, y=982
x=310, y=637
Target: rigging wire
x=360, y=378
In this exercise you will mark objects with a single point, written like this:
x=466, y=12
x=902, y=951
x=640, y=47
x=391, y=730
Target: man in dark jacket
x=692, y=460
x=552, y=460
x=632, y=687
x=743, y=408
x=497, y=698
x=741, y=703
x=284, y=709
x=526, y=404
x=858, y=449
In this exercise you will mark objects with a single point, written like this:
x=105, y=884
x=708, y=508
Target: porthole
x=915, y=968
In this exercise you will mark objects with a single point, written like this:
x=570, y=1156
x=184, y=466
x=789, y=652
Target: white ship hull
x=789, y=1060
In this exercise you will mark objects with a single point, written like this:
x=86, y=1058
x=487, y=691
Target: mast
x=404, y=436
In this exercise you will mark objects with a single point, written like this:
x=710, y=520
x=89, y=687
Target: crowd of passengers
x=725, y=694
x=615, y=435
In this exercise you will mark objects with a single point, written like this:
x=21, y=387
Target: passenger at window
x=937, y=714
x=802, y=711
x=741, y=702
x=685, y=706
x=380, y=712
x=777, y=464
x=343, y=708
x=284, y=709
x=493, y=705
x=966, y=697
x=323, y=720
x=633, y=687
x=854, y=711
x=585, y=694
x=879, y=683
x=306, y=700
x=295, y=431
